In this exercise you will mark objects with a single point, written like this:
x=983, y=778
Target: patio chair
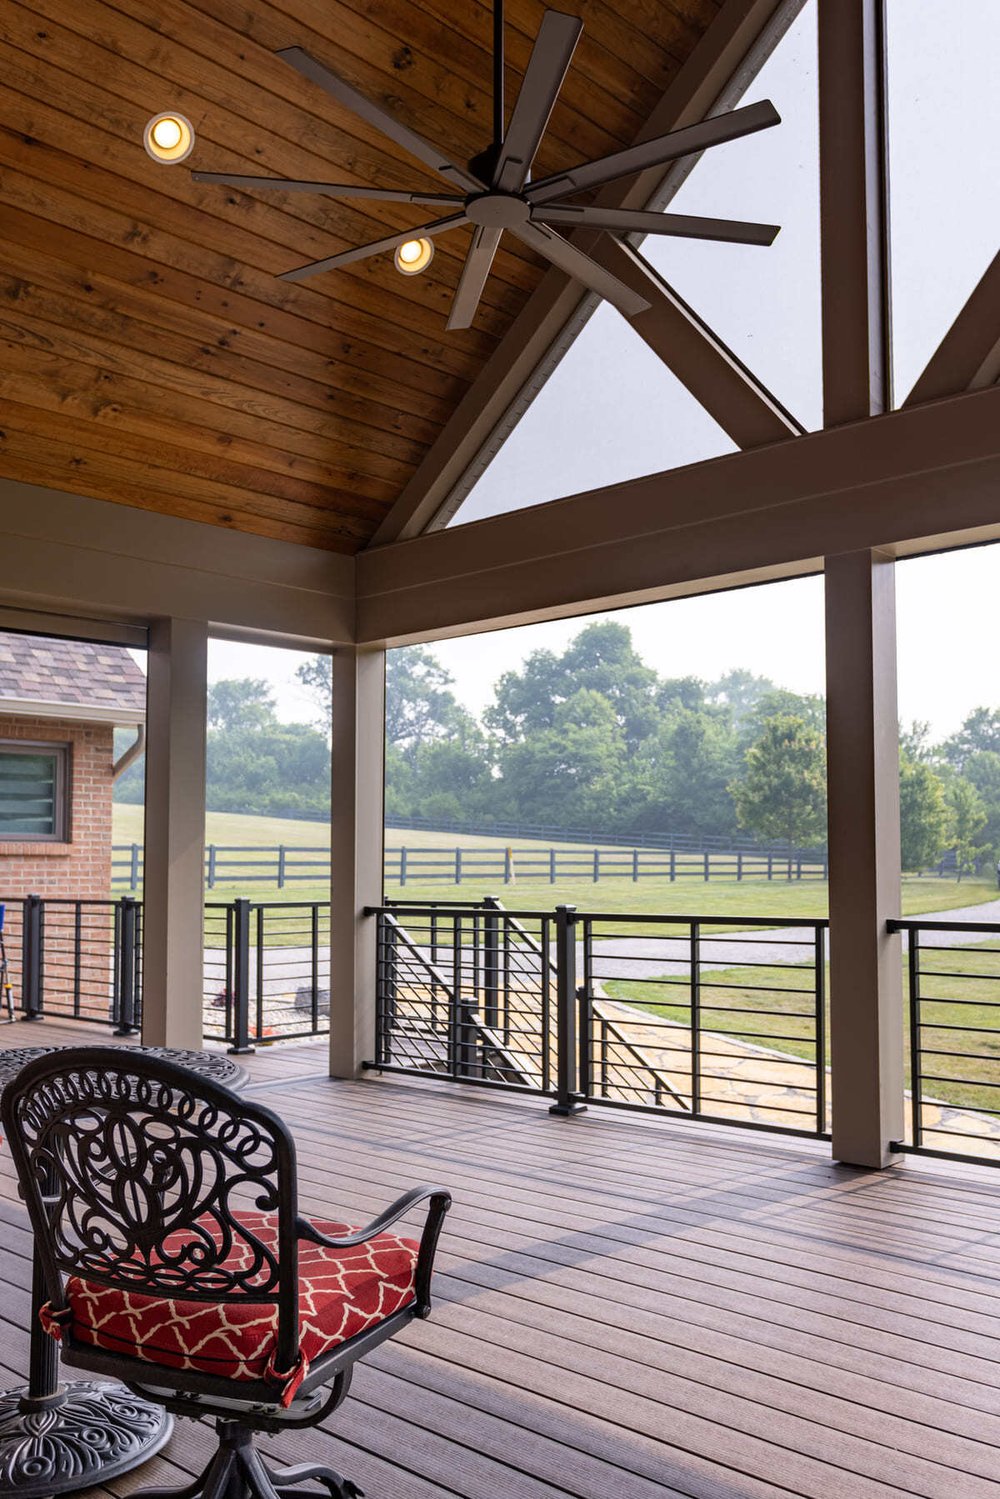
x=166, y=1216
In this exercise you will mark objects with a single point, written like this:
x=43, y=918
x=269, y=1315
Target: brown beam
x=736, y=29
x=968, y=357
x=852, y=210
x=866, y=988
x=911, y=480
x=729, y=392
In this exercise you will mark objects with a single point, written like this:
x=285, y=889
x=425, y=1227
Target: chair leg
x=212, y=1483
x=287, y=1482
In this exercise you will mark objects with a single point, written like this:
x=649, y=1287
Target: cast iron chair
x=175, y=1258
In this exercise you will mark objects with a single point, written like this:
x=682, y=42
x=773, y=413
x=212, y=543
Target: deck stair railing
x=443, y=1007
x=718, y=1018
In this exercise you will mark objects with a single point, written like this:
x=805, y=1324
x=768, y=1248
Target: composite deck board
x=631, y=1306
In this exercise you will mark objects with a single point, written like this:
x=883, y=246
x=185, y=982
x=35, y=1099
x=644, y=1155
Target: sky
x=613, y=411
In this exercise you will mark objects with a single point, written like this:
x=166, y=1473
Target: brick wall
x=81, y=867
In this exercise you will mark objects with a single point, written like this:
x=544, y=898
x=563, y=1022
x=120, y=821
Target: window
x=33, y=801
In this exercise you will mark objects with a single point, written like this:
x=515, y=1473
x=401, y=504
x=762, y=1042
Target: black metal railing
x=267, y=965
x=717, y=1018
x=952, y=986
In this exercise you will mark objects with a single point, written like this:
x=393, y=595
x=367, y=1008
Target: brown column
x=852, y=210
x=866, y=1000
x=356, y=837
x=173, y=894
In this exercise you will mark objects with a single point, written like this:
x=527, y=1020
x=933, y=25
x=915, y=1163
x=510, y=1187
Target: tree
x=967, y=819
x=782, y=794
x=980, y=731
x=316, y=674
x=569, y=774
x=915, y=742
x=682, y=773
x=419, y=703
x=601, y=659
x=982, y=770
x=240, y=705
x=923, y=814
x=739, y=691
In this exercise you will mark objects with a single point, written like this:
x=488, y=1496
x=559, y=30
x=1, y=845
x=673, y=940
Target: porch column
x=356, y=837
x=173, y=898
x=866, y=997
x=853, y=233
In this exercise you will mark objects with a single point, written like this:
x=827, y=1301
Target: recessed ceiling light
x=413, y=256
x=168, y=137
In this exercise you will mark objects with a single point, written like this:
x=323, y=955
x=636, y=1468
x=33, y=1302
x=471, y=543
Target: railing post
x=916, y=1060
x=739, y=866
x=597, y=865
x=210, y=873
x=31, y=957
x=695, y=1017
x=241, y=978
x=491, y=963
x=567, y=1102
x=552, y=866
x=820, y=960
x=458, y=866
x=507, y=866
x=402, y=866
x=134, y=868
x=673, y=864
x=584, y=996
x=125, y=967
x=635, y=865
x=281, y=866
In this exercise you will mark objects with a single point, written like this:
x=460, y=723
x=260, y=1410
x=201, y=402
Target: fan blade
x=374, y=114
x=331, y=189
x=636, y=221
x=362, y=252
x=543, y=78
x=568, y=258
x=477, y=267
x=656, y=153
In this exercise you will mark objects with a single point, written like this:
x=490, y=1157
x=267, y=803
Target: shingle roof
x=75, y=672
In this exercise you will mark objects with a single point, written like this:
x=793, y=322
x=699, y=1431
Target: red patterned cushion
x=341, y=1292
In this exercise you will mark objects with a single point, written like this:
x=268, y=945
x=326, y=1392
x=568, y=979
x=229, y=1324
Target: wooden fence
x=285, y=865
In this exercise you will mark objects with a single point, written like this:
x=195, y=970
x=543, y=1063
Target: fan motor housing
x=498, y=210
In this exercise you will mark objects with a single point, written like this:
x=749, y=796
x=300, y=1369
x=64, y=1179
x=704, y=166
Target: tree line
x=593, y=736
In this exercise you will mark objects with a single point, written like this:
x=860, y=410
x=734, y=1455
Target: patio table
x=61, y=1438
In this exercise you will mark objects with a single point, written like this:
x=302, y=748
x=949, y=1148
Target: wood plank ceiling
x=150, y=354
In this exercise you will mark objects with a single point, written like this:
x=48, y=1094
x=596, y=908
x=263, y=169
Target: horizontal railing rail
x=719, y=1018
x=266, y=969
x=953, y=1022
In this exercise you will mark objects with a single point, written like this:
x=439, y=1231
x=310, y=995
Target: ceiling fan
x=495, y=192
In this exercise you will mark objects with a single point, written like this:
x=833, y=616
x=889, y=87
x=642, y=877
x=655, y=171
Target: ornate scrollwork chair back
x=165, y=1211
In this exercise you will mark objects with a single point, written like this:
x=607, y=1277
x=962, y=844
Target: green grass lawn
x=959, y=989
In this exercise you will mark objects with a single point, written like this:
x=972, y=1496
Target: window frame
x=61, y=751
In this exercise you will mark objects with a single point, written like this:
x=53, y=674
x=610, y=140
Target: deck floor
x=633, y=1308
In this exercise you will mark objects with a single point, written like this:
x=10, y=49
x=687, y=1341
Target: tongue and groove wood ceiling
x=150, y=354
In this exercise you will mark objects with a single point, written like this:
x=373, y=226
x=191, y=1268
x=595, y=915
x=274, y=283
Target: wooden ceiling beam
x=853, y=235
x=730, y=393
x=968, y=357
x=911, y=481
x=715, y=60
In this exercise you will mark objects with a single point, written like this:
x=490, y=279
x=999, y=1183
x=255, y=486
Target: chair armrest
x=440, y=1202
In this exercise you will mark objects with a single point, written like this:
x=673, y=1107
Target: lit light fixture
x=168, y=137
x=413, y=256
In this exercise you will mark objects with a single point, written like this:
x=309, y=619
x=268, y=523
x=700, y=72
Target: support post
x=853, y=235
x=567, y=1098
x=174, y=872
x=356, y=838
x=866, y=999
